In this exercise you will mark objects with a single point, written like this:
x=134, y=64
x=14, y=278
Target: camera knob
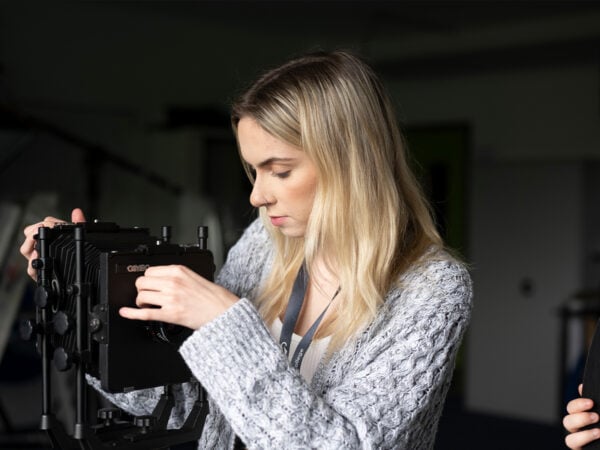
x=37, y=264
x=62, y=323
x=27, y=329
x=72, y=290
x=107, y=415
x=94, y=324
x=144, y=423
x=165, y=232
x=41, y=296
x=202, y=234
x=62, y=360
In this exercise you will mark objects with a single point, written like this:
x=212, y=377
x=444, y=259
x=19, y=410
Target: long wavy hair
x=370, y=220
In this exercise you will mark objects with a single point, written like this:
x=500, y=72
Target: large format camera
x=85, y=273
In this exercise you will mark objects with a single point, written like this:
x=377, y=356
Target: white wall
x=527, y=223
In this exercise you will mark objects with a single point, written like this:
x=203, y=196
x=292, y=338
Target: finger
x=32, y=230
x=577, y=440
x=575, y=422
x=155, y=283
x=579, y=405
x=30, y=270
x=49, y=222
x=172, y=277
x=140, y=313
x=77, y=216
x=149, y=298
x=27, y=247
x=172, y=270
x=32, y=274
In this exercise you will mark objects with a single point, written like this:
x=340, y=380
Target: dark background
x=121, y=108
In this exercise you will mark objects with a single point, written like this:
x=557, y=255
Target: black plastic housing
x=124, y=354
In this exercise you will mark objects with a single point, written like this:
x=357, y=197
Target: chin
x=292, y=232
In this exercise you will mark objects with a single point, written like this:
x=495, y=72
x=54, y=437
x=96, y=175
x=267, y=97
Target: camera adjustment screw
x=27, y=329
x=37, y=264
x=144, y=423
x=165, y=232
x=41, y=296
x=62, y=323
x=108, y=415
x=72, y=290
x=95, y=324
x=202, y=234
x=62, y=360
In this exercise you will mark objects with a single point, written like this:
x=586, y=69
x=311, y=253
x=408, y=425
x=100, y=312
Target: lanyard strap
x=290, y=319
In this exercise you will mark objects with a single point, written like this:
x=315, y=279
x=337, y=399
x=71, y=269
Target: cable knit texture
x=385, y=389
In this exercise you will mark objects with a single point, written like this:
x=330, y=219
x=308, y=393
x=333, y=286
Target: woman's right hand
x=579, y=417
x=28, y=247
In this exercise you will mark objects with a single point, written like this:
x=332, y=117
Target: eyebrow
x=273, y=160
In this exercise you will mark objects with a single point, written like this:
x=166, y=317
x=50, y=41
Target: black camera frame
x=85, y=273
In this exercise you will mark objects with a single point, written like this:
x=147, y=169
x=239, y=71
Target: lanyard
x=292, y=313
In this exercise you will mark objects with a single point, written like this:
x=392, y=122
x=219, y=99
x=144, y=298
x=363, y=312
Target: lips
x=277, y=221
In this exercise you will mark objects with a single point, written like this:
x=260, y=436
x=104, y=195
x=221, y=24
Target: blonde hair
x=369, y=217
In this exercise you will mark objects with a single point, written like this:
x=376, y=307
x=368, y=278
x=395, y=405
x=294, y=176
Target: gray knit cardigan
x=385, y=389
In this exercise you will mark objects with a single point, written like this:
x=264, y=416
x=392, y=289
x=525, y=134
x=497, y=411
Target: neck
x=323, y=276
x=322, y=287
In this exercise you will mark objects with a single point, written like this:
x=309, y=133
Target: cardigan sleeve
x=240, y=274
x=386, y=390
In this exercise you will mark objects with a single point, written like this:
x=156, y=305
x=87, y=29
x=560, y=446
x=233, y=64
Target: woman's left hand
x=178, y=295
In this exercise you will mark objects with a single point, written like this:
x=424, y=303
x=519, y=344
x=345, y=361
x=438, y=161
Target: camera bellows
x=86, y=273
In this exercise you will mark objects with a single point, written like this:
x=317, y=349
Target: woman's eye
x=282, y=174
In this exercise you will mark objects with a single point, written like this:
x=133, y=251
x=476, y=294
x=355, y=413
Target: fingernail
x=588, y=404
x=594, y=418
x=595, y=432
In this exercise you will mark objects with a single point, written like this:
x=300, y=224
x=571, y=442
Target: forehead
x=257, y=145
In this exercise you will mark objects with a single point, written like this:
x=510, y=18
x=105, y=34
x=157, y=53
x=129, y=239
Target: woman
x=336, y=319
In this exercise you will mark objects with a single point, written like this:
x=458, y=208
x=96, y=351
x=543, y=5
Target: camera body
x=86, y=272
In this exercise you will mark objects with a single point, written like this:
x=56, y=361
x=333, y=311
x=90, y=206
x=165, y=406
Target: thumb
x=77, y=216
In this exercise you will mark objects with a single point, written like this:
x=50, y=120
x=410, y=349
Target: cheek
x=304, y=196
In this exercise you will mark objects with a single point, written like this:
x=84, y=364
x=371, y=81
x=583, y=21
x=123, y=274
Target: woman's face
x=285, y=179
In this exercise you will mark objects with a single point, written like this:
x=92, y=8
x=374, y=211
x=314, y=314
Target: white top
x=312, y=357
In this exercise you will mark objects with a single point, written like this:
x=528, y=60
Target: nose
x=259, y=195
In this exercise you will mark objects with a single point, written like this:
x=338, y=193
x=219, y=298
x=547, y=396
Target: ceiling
x=349, y=17
x=414, y=38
